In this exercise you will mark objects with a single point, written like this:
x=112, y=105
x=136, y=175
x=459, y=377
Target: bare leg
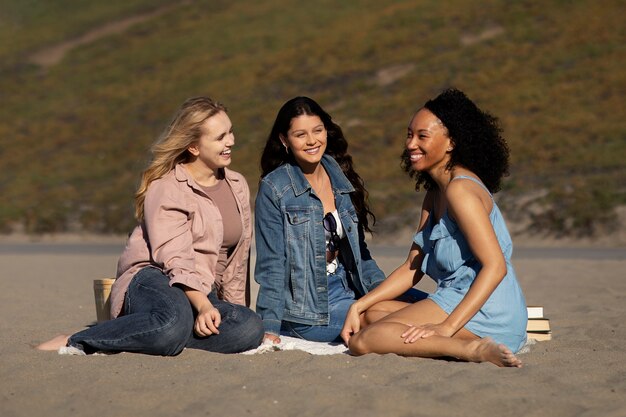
x=380, y=310
x=55, y=343
x=384, y=336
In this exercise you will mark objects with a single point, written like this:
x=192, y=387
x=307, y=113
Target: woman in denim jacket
x=310, y=218
x=182, y=278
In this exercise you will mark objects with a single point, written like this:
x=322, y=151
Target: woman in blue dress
x=478, y=312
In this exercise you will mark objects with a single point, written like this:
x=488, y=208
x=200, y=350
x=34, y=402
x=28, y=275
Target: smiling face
x=306, y=139
x=213, y=149
x=427, y=142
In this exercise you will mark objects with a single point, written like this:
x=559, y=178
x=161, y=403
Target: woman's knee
x=252, y=330
x=358, y=344
x=175, y=333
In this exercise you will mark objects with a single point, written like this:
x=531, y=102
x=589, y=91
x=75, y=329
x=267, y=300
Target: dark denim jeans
x=158, y=320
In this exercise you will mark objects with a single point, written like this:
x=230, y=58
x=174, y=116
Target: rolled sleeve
x=269, y=270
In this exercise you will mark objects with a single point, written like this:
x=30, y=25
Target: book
x=535, y=312
x=539, y=337
x=538, y=325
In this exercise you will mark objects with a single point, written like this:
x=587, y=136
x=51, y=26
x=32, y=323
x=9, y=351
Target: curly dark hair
x=274, y=155
x=476, y=135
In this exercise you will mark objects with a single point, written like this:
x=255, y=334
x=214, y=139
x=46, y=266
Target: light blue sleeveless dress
x=450, y=262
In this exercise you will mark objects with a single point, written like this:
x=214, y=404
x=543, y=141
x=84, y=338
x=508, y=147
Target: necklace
x=319, y=186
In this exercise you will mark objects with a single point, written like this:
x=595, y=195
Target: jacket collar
x=182, y=175
x=337, y=178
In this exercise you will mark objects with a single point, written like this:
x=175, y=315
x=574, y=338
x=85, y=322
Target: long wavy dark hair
x=477, y=138
x=274, y=154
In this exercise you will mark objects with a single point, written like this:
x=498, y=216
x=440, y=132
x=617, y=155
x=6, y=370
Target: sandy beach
x=47, y=290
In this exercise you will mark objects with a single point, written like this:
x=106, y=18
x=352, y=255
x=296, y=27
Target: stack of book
x=538, y=327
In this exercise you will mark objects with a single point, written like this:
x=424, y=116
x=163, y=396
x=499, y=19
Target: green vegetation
x=74, y=136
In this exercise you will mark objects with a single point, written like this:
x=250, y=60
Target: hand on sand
x=55, y=343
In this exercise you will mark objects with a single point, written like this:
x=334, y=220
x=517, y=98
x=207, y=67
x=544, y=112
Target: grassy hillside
x=73, y=136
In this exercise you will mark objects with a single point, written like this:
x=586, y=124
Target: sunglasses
x=330, y=224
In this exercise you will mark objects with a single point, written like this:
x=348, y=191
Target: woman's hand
x=352, y=324
x=208, y=318
x=207, y=321
x=423, y=331
x=272, y=338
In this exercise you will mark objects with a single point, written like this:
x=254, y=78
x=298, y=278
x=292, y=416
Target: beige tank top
x=222, y=196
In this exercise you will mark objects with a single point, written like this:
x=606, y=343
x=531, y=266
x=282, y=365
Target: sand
x=47, y=289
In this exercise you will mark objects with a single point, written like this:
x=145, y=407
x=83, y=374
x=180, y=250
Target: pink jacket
x=182, y=234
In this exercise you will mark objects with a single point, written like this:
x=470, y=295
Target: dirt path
x=52, y=55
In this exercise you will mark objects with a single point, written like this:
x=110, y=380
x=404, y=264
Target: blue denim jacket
x=291, y=247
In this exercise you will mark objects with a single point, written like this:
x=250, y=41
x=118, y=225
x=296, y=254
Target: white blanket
x=322, y=348
x=289, y=343
x=292, y=343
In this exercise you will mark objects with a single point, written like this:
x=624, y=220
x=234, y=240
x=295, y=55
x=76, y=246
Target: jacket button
x=349, y=228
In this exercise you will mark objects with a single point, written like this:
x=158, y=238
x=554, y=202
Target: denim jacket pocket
x=298, y=241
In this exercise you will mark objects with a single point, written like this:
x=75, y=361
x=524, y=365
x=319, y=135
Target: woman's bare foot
x=487, y=350
x=55, y=343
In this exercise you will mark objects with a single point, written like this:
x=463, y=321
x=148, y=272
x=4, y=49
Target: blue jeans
x=340, y=298
x=158, y=320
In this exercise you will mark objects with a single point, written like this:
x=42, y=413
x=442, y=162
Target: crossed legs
x=385, y=322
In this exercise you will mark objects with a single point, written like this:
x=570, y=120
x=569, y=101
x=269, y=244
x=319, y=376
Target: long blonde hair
x=171, y=147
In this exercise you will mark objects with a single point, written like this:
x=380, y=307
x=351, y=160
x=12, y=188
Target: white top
x=331, y=266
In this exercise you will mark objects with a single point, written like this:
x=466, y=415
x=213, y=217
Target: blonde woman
x=182, y=278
